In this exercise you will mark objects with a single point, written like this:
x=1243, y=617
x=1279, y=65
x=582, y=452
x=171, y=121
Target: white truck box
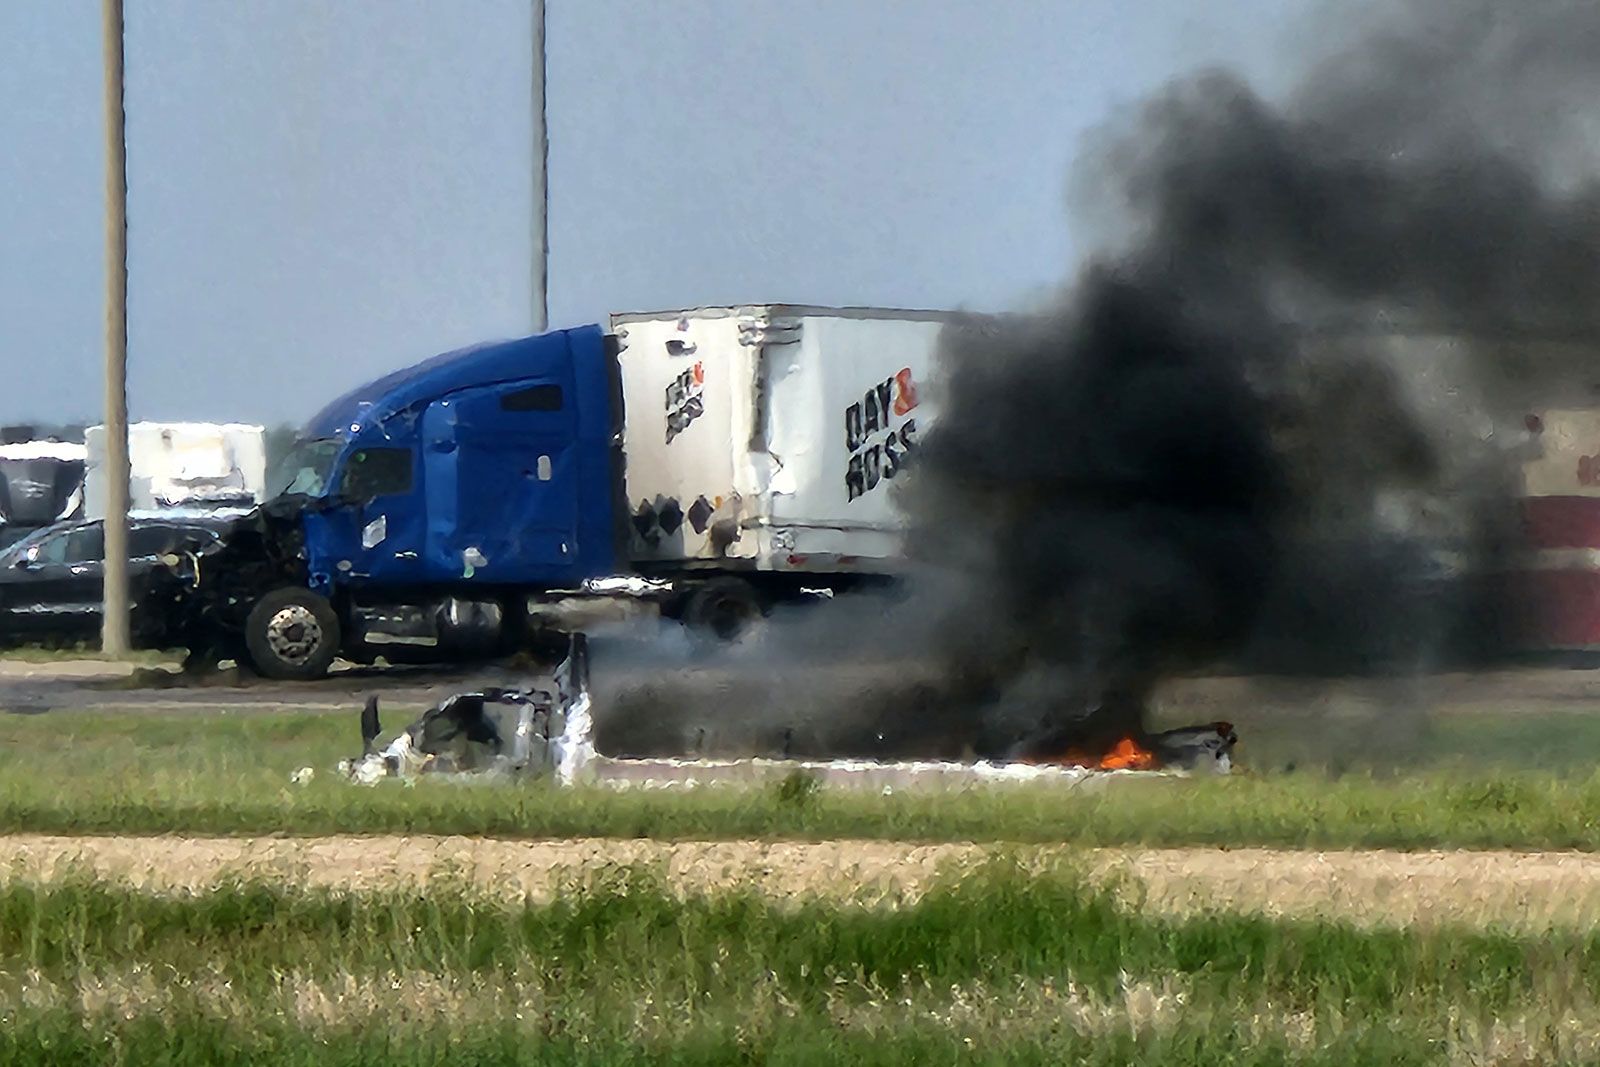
x=181, y=464
x=770, y=436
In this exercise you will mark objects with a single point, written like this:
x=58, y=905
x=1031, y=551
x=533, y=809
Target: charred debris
x=494, y=733
x=551, y=732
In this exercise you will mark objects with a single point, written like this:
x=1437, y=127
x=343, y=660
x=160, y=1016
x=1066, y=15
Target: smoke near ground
x=1289, y=388
x=1274, y=420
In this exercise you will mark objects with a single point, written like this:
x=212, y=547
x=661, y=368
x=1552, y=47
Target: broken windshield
x=305, y=470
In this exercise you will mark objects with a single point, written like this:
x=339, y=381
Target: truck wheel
x=292, y=634
x=725, y=607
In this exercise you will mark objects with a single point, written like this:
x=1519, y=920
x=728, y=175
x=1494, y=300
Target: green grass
x=192, y=1041
x=1002, y=966
x=1552, y=742
x=94, y=772
x=999, y=966
x=620, y=927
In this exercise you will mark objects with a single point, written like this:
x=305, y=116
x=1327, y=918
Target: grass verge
x=94, y=772
x=179, y=1042
x=1000, y=965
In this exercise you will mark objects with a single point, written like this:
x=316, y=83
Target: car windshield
x=305, y=470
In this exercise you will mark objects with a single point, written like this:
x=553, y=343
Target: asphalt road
x=63, y=684
x=42, y=687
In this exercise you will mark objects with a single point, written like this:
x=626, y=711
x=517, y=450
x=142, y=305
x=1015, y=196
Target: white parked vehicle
x=182, y=465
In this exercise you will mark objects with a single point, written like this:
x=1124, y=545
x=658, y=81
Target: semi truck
x=715, y=460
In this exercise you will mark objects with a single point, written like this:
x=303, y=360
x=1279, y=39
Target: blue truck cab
x=430, y=503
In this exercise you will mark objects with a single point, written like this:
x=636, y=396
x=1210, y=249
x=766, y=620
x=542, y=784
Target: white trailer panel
x=771, y=436
x=181, y=464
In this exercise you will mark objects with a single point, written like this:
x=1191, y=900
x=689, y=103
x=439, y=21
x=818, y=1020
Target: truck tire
x=292, y=634
x=725, y=608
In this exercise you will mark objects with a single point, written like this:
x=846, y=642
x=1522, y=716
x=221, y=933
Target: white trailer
x=768, y=438
x=40, y=482
x=182, y=465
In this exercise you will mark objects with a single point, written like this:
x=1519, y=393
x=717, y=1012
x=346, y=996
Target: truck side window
x=534, y=398
x=375, y=472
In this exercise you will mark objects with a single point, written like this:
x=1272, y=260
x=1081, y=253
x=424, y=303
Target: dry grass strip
x=1519, y=890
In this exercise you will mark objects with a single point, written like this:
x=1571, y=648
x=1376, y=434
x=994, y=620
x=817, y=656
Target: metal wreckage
x=493, y=732
x=548, y=732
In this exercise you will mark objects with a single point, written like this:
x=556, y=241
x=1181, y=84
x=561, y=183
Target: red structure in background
x=1558, y=583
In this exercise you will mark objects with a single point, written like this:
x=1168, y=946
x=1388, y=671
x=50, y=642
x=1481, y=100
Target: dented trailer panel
x=684, y=413
x=772, y=435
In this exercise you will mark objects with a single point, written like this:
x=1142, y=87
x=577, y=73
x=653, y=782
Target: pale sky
x=321, y=191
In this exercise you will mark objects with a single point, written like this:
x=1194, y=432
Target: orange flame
x=1126, y=755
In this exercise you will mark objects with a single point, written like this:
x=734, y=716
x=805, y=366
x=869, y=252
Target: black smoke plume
x=1277, y=409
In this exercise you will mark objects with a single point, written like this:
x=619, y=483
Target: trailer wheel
x=292, y=634
x=724, y=607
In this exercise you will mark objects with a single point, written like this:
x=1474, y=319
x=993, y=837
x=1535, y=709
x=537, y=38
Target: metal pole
x=114, y=621
x=541, y=191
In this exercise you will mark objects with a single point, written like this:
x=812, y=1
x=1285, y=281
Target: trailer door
x=501, y=482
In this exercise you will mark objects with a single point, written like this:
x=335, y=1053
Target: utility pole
x=114, y=637
x=541, y=190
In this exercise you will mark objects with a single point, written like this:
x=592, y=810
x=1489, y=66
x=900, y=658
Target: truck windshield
x=304, y=471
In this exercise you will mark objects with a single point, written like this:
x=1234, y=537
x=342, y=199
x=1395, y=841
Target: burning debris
x=1191, y=748
x=532, y=733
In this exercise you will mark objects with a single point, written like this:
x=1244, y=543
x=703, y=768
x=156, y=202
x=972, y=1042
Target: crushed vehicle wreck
x=1207, y=747
x=494, y=731
x=549, y=732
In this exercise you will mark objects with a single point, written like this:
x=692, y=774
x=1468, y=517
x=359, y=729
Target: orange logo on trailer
x=684, y=403
x=879, y=446
x=905, y=398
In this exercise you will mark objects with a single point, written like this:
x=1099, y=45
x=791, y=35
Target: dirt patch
x=1521, y=890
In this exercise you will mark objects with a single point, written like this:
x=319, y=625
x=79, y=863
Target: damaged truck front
x=421, y=511
x=716, y=461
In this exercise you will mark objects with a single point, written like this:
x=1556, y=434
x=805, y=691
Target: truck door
x=374, y=530
x=501, y=482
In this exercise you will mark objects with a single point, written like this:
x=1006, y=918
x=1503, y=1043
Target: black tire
x=292, y=634
x=725, y=608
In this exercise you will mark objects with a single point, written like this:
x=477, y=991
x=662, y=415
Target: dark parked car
x=51, y=582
